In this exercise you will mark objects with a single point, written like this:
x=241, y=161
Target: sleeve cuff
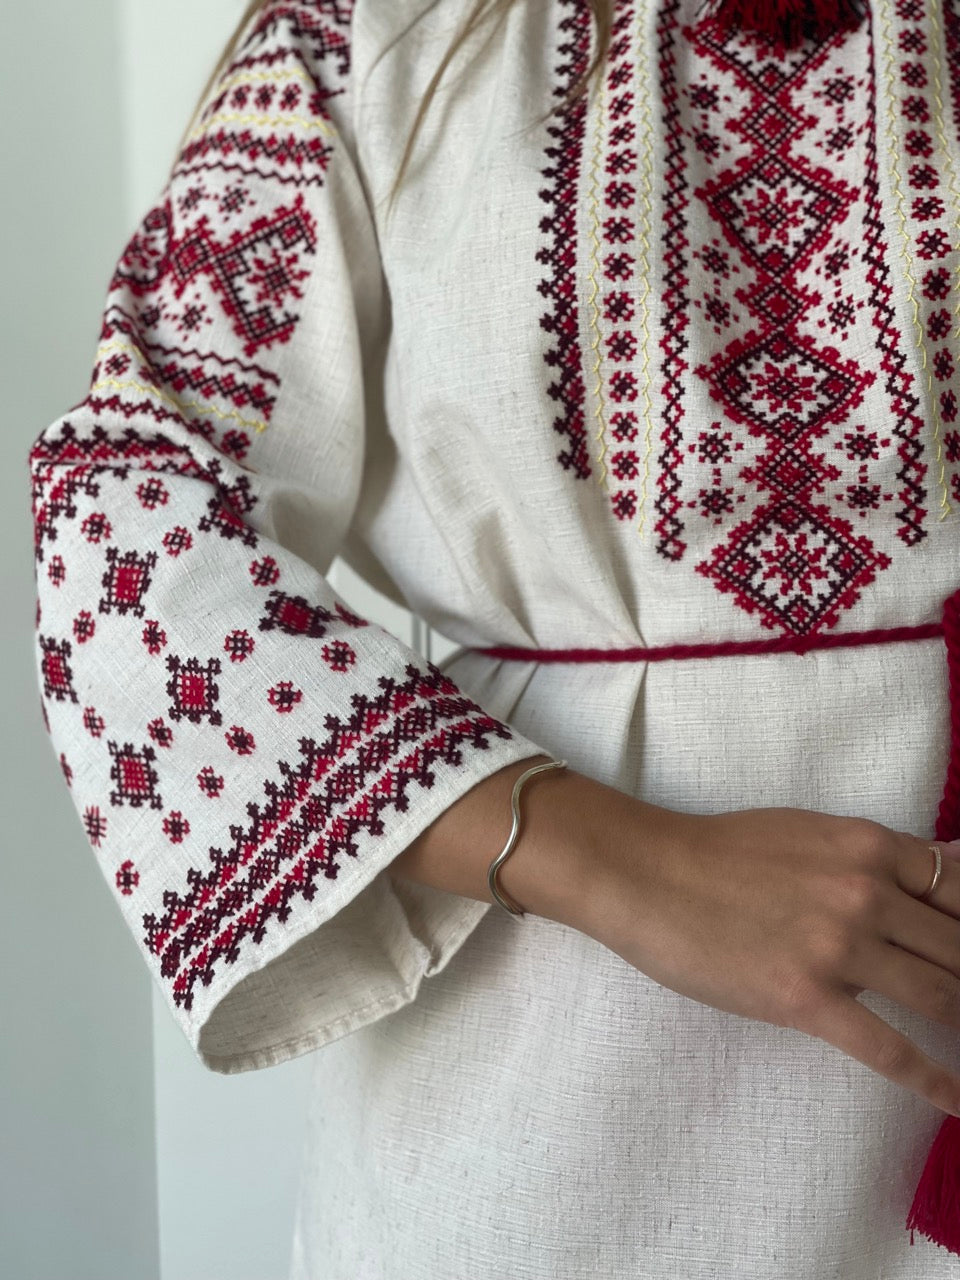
x=353, y=955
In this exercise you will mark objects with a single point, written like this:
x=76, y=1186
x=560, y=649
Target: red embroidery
x=619, y=228
x=297, y=617
x=135, y=780
x=564, y=356
x=176, y=827
x=55, y=669
x=791, y=561
x=93, y=723
x=154, y=637
x=311, y=816
x=239, y=645
x=264, y=572
x=906, y=424
x=240, y=740
x=96, y=527
x=185, y=370
x=283, y=696
x=126, y=581
x=177, y=540
x=193, y=689
x=95, y=825
x=210, y=783
x=127, y=878
x=675, y=301
x=161, y=733
x=84, y=627
x=146, y=504
x=256, y=272
x=339, y=656
x=926, y=204
x=312, y=37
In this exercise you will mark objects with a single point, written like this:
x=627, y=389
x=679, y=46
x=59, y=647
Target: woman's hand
x=786, y=915
x=783, y=915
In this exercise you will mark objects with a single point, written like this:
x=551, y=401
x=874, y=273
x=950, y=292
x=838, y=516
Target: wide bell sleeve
x=245, y=753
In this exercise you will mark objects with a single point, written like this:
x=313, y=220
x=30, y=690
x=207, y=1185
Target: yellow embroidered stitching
x=891, y=133
x=594, y=263
x=258, y=77
x=232, y=416
x=263, y=121
x=645, y=171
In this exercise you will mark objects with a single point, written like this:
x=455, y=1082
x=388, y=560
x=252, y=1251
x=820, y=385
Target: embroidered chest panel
x=751, y=297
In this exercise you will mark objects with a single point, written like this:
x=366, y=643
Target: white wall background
x=121, y=1157
x=77, y=1167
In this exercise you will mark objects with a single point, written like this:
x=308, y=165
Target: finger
x=922, y=929
x=857, y=1031
x=911, y=980
x=914, y=867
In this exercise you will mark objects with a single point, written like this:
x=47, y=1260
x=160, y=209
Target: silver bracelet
x=516, y=911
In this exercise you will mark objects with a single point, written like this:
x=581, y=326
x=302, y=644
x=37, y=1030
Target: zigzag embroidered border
x=341, y=786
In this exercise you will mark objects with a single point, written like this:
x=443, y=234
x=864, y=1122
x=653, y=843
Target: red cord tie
x=935, y=1211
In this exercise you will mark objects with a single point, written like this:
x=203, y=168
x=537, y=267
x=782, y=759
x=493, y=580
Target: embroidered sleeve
x=246, y=754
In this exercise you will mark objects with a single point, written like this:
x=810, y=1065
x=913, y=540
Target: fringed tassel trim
x=786, y=23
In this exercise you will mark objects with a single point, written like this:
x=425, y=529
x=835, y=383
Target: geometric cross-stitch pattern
x=792, y=560
x=56, y=670
x=338, y=655
x=295, y=616
x=84, y=626
x=154, y=636
x=284, y=847
x=225, y=517
x=772, y=250
x=193, y=689
x=160, y=732
x=176, y=827
x=127, y=877
x=92, y=722
x=283, y=696
x=257, y=272
x=240, y=740
x=276, y=64
x=210, y=783
x=135, y=779
x=186, y=370
x=239, y=644
x=559, y=251
x=127, y=581
x=95, y=824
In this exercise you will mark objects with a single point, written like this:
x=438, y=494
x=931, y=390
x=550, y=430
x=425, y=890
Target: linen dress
x=675, y=364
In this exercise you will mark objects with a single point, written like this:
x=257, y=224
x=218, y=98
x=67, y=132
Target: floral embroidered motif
x=779, y=155
x=791, y=560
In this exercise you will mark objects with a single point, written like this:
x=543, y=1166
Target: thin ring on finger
x=937, y=868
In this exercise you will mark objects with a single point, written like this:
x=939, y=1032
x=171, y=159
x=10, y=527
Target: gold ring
x=938, y=867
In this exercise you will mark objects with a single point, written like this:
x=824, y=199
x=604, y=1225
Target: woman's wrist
x=547, y=873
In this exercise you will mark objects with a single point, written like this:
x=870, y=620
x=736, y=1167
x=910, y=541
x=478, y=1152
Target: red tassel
x=786, y=23
x=935, y=1211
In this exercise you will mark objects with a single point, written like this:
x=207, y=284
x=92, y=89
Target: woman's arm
x=781, y=915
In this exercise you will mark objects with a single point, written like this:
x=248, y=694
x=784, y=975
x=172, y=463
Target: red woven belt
x=948, y=818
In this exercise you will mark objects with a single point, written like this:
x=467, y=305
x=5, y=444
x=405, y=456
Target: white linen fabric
x=673, y=365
